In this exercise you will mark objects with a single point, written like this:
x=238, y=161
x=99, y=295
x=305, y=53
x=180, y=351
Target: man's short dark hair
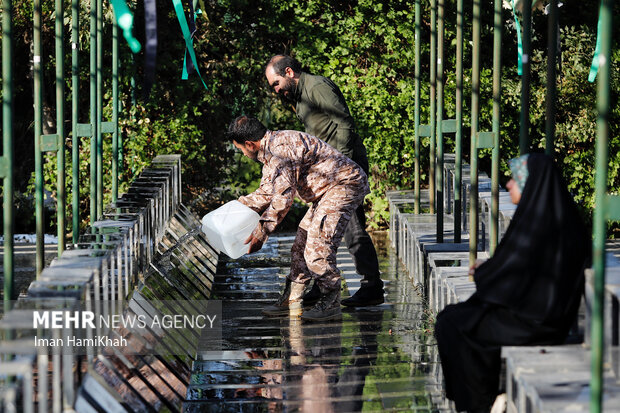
x=244, y=129
x=281, y=61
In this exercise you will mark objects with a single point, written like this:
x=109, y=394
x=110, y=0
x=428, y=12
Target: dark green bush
x=366, y=47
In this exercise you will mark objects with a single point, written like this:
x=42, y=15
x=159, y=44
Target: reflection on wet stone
x=380, y=358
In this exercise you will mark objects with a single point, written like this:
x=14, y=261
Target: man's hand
x=255, y=244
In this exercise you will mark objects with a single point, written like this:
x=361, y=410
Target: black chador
x=528, y=293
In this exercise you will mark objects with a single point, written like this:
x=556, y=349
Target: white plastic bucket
x=229, y=226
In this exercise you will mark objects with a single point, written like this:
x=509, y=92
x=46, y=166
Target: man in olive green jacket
x=321, y=107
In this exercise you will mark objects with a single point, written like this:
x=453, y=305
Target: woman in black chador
x=528, y=293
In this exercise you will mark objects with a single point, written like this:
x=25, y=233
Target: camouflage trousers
x=313, y=254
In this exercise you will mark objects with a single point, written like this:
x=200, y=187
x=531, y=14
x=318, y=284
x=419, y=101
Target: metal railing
x=98, y=274
x=607, y=206
x=6, y=161
x=95, y=129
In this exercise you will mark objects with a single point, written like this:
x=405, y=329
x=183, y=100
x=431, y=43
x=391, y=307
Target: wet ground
x=381, y=358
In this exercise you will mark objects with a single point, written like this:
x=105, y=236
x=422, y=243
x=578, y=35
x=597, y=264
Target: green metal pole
x=551, y=76
x=121, y=160
x=416, y=113
x=603, y=104
x=60, y=124
x=98, y=133
x=75, y=149
x=93, y=112
x=497, y=99
x=120, y=147
x=458, y=164
x=475, y=98
x=132, y=164
x=433, y=109
x=38, y=131
x=115, y=110
x=440, y=81
x=524, y=135
x=7, y=149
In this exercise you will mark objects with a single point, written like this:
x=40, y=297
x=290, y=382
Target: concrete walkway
x=377, y=359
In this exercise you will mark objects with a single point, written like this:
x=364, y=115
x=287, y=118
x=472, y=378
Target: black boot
x=366, y=296
x=327, y=308
x=312, y=296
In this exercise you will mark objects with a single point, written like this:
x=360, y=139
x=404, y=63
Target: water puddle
x=380, y=358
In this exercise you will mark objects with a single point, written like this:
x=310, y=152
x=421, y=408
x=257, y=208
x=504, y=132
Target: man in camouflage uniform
x=297, y=163
x=321, y=107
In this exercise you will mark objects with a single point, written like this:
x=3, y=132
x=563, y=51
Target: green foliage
x=365, y=46
x=575, y=118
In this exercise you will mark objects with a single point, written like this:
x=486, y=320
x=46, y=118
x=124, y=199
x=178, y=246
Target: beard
x=287, y=90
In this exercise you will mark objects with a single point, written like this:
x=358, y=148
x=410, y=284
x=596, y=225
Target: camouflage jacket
x=297, y=163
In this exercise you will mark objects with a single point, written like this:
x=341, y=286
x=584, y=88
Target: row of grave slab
x=537, y=378
x=147, y=248
x=144, y=252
